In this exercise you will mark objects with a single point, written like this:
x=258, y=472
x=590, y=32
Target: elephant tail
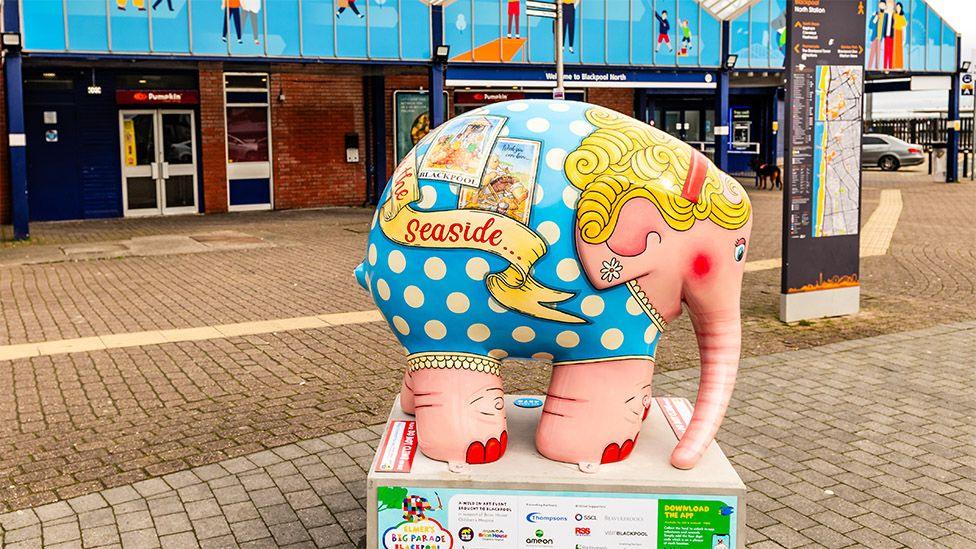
x=360, y=273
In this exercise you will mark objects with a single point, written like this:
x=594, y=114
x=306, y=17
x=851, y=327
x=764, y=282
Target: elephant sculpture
x=558, y=231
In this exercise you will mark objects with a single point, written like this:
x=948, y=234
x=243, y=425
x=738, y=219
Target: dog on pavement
x=767, y=174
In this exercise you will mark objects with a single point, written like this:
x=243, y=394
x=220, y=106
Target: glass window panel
x=245, y=31
x=933, y=41
x=130, y=27
x=948, y=48
x=209, y=23
x=541, y=39
x=457, y=29
x=384, y=41
x=485, y=26
x=709, y=125
x=140, y=192
x=618, y=32
x=318, y=18
x=351, y=28
x=138, y=133
x=592, y=31
x=759, y=31
x=916, y=35
x=170, y=26
x=711, y=41
x=693, y=122
x=777, y=33
x=643, y=28
x=665, y=32
x=177, y=138
x=43, y=25
x=686, y=36
x=87, y=26
x=415, y=29
x=179, y=191
x=246, y=81
x=739, y=41
x=282, y=31
x=247, y=134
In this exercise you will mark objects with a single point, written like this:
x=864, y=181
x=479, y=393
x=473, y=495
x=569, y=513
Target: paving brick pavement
x=868, y=442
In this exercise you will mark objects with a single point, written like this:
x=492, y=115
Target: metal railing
x=928, y=132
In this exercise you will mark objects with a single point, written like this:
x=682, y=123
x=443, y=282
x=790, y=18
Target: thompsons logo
x=539, y=517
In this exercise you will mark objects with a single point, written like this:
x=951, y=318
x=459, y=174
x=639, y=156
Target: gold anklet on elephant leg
x=458, y=361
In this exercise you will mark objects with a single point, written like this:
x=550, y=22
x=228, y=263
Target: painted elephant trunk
x=719, y=335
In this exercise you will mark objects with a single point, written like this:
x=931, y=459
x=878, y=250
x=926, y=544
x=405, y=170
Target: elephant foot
x=406, y=394
x=460, y=414
x=594, y=411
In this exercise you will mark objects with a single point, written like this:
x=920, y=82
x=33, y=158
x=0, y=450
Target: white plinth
x=819, y=304
x=525, y=500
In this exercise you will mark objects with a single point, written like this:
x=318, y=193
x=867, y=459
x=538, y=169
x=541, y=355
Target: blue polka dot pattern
x=436, y=300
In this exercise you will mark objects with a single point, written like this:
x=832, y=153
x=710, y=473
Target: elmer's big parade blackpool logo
x=425, y=533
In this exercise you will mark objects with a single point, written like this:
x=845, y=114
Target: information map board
x=822, y=202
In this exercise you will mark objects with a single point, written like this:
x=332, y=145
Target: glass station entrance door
x=159, y=166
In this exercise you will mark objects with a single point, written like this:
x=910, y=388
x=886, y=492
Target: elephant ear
x=639, y=220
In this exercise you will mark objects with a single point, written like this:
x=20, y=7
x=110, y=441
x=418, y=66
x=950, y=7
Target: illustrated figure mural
x=569, y=22
x=886, y=36
x=571, y=233
x=250, y=9
x=514, y=9
x=663, y=30
x=169, y=4
x=139, y=4
x=351, y=4
x=232, y=13
x=685, y=37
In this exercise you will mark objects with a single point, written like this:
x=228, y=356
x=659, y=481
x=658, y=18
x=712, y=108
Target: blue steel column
x=952, y=162
x=13, y=81
x=437, y=70
x=722, y=104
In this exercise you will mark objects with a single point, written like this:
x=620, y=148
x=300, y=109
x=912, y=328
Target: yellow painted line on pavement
x=176, y=335
x=875, y=240
x=875, y=236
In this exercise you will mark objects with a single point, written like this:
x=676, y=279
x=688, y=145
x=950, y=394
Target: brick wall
x=4, y=159
x=213, y=151
x=618, y=99
x=308, y=131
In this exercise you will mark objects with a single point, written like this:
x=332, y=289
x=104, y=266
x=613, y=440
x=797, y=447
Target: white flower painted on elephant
x=611, y=270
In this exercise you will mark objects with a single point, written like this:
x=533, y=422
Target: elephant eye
x=740, y=249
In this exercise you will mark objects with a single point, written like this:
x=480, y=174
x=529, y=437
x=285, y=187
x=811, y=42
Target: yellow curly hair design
x=624, y=159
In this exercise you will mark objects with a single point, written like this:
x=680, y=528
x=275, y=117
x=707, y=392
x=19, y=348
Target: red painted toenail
x=476, y=453
x=611, y=453
x=626, y=449
x=504, y=443
x=493, y=450
x=646, y=410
